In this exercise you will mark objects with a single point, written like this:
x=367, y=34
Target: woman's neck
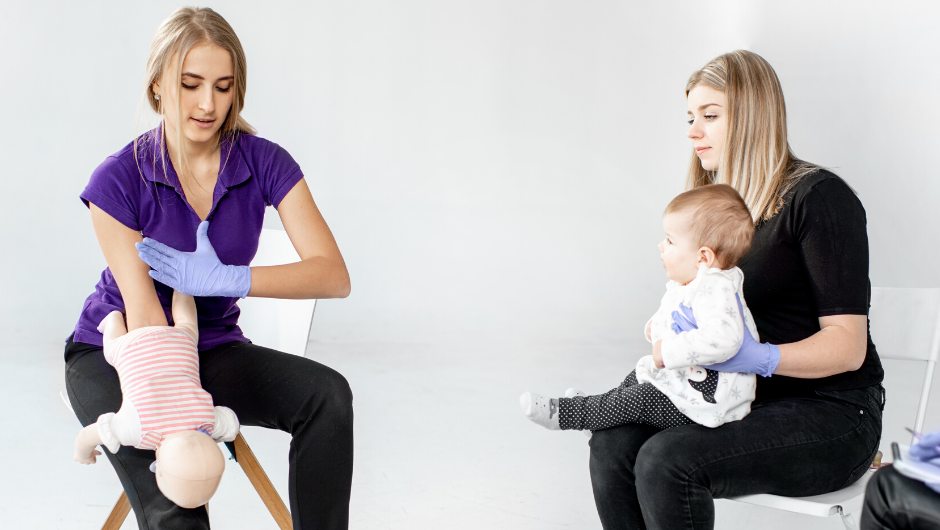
x=193, y=152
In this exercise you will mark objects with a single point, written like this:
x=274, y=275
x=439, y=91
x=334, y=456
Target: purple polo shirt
x=141, y=195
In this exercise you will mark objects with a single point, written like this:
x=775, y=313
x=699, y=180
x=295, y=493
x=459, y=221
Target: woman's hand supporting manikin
x=321, y=273
x=197, y=273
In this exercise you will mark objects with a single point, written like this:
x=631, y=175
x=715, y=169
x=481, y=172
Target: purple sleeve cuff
x=285, y=186
x=110, y=207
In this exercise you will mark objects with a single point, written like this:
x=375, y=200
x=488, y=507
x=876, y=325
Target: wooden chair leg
x=259, y=479
x=121, y=508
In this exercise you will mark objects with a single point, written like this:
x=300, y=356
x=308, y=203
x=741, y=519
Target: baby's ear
x=706, y=256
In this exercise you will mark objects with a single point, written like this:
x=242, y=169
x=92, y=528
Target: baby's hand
x=87, y=459
x=658, y=354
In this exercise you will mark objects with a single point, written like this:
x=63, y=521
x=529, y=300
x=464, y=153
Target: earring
x=156, y=97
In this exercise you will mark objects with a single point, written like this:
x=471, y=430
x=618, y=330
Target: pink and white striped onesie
x=159, y=371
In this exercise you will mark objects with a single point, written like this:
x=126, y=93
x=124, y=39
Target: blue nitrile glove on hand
x=198, y=273
x=753, y=357
x=927, y=450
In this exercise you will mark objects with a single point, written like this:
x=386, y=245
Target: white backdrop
x=489, y=168
x=494, y=172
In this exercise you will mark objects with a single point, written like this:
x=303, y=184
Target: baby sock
x=543, y=411
x=574, y=392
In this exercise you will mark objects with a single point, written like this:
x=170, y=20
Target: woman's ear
x=155, y=87
x=707, y=257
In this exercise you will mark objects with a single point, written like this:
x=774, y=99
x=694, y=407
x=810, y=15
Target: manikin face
x=205, y=93
x=708, y=120
x=681, y=257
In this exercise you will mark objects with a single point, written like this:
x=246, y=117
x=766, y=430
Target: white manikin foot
x=543, y=411
x=574, y=392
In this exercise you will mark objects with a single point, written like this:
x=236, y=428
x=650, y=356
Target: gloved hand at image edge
x=197, y=273
x=927, y=447
x=753, y=357
x=927, y=450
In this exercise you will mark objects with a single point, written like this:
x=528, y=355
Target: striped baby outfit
x=159, y=371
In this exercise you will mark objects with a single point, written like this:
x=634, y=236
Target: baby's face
x=679, y=254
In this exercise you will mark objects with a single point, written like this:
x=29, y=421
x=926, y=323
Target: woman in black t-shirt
x=816, y=423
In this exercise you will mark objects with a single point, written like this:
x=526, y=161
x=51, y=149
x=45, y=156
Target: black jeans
x=895, y=502
x=644, y=477
x=265, y=388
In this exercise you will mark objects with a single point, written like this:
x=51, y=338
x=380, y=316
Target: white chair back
x=905, y=325
x=282, y=325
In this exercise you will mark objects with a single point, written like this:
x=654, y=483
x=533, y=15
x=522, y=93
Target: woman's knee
x=330, y=394
x=663, y=463
x=614, y=451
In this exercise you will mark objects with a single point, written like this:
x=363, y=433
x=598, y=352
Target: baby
x=165, y=407
x=708, y=229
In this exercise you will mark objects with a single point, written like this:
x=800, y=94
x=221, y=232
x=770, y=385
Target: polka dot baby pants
x=630, y=402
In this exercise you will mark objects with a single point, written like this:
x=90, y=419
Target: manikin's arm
x=111, y=328
x=85, y=444
x=184, y=314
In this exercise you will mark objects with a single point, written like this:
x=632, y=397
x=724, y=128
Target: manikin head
x=189, y=468
x=709, y=225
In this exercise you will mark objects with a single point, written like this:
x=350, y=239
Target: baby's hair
x=718, y=219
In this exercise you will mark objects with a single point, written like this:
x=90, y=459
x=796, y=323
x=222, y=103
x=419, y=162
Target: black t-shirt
x=809, y=261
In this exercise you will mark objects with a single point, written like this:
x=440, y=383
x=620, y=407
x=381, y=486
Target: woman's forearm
x=840, y=346
x=316, y=277
x=141, y=306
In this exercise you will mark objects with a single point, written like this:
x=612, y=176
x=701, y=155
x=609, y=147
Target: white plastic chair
x=905, y=325
x=282, y=325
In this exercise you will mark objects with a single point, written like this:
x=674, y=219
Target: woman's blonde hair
x=185, y=29
x=756, y=159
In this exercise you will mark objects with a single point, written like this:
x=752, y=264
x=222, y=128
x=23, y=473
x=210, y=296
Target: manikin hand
x=198, y=273
x=90, y=459
x=85, y=444
x=753, y=357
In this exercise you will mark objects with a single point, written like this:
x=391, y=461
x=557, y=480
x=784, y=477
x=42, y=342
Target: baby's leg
x=184, y=314
x=111, y=328
x=628, y=403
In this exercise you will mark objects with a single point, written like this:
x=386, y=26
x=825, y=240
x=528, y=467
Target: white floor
x=440, y=443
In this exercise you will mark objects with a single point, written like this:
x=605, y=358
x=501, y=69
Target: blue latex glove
x=198, y=273
x=684, y=320
x=927, y=449
x=753, y=357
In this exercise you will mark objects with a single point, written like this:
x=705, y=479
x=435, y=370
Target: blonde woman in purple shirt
x=181, y=207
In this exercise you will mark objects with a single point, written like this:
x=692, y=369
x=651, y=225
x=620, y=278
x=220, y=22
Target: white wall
x=488, y=167
x=491, y=169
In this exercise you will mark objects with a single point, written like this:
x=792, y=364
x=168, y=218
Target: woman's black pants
x=644, y=477
x=265, y=388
